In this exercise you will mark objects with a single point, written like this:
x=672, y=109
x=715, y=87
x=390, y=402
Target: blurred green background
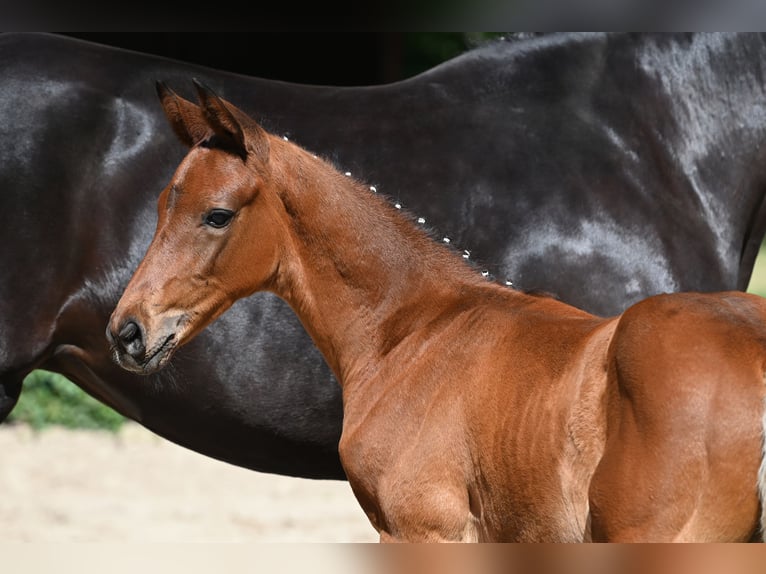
x=758, y=280
x=50, y=399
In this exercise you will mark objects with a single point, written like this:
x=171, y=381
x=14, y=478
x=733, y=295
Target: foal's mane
x=353, y=202
x=374, y=209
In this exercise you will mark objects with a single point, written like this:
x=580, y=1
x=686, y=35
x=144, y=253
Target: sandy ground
x=84, y=486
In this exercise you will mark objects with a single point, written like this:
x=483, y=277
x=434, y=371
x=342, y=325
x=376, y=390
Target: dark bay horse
x=472, y=411
x=599, y=168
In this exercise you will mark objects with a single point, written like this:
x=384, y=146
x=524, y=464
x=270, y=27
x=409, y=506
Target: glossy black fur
x=599, y=168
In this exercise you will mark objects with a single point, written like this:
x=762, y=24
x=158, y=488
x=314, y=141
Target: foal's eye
x=218, y=218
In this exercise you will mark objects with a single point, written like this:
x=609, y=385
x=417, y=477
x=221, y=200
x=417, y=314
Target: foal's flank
x=472, y=412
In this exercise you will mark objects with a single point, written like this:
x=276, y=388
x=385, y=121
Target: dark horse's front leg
x=10, y=389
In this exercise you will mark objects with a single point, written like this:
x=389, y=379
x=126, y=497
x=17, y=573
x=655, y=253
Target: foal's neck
x=358, y=272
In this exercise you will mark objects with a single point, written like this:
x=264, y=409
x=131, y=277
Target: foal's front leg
x=471, y=535
x=440, y=519
x=425, y=513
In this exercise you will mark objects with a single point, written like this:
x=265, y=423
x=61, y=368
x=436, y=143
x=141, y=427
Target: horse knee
x=436, y=515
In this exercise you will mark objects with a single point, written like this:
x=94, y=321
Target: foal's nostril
x=131, y=339
x=129, y=332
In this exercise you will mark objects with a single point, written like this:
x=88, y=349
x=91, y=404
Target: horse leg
x=24, y=346
x=682, y=448
x=406, y=531
x=10, y=389
x=638, y=492
x=470, y=535
x=414, y=511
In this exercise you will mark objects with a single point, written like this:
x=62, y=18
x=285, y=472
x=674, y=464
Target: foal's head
x=220, y=197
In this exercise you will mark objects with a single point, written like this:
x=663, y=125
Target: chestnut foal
x=472, y=412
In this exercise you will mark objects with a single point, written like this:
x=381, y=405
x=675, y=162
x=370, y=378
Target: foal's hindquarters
x=645, y=427
x=685, y=405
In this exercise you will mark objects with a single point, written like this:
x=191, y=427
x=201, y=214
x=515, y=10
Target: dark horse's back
x=599, y=168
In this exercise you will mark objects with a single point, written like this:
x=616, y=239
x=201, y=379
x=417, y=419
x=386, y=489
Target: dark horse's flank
x=471, y=411
x=599, y=168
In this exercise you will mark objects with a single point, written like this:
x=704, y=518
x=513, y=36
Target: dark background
x=329, y=58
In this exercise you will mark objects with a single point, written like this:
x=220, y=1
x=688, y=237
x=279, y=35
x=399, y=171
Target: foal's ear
x=233, y=125
x=186, y=118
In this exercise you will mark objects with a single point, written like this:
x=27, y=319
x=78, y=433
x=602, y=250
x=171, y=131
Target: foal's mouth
x=159, y=355
x=154, y=359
